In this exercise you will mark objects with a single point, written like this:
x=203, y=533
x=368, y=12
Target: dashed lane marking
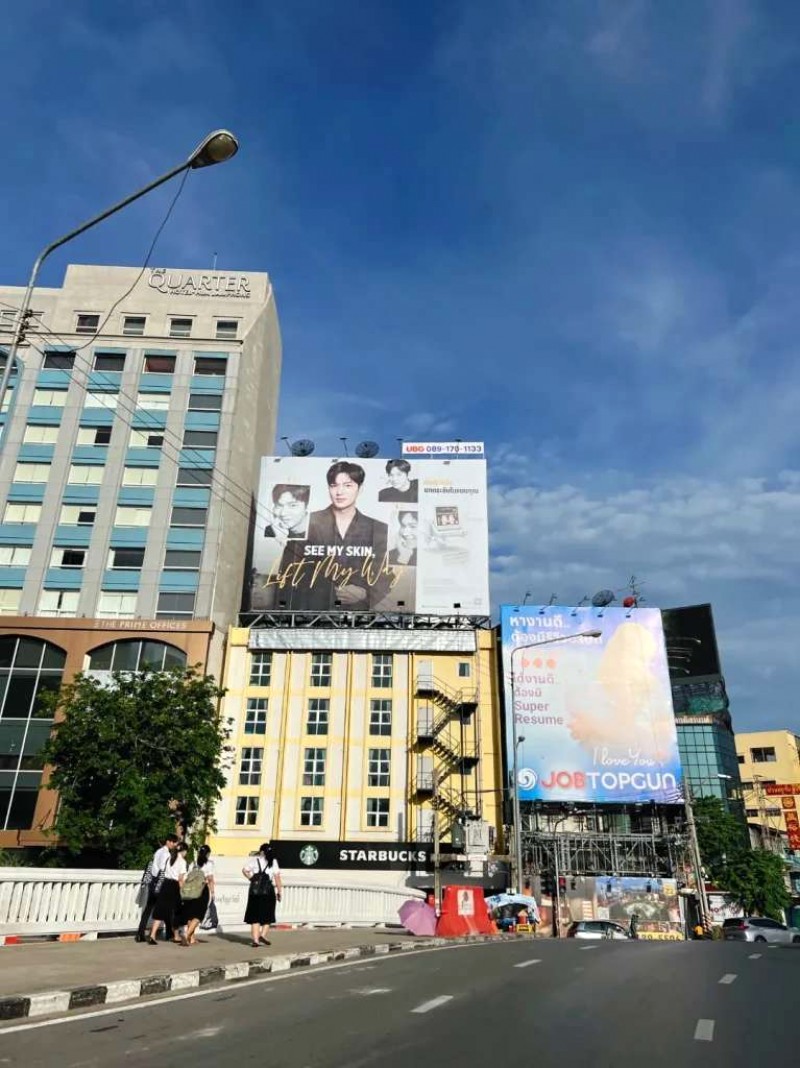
x=588, y=947
x=434, y=1003
x=727, y=979
x=527, y=963
x=704, y=1032
x=754, y=956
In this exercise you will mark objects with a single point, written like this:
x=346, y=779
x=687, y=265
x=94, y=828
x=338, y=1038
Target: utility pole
x=705, y=915
x=437, y=867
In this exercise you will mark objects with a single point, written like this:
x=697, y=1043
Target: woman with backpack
x=196, y=892
x=265, y=889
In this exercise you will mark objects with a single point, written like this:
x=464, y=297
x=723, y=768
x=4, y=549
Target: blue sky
x=570, y=230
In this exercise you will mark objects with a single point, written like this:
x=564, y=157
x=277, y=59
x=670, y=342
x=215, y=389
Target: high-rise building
x=768, y=759
x=132, y=433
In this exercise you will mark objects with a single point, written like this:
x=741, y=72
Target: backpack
x=193, y=885
x=261, y=883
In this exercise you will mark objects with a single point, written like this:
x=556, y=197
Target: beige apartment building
x=767, y=758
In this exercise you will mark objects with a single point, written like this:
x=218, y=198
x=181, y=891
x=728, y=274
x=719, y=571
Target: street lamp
x=218, y=147
x=517, y=741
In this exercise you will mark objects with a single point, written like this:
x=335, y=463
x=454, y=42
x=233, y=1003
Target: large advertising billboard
x=591, y=715
x=408, y=534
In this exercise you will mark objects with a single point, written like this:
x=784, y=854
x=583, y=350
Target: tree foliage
x=134, y=758
x=720, y=835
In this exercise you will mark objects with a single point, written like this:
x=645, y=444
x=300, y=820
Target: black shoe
x=152, y=942
x=138, y=937
x=264, y=941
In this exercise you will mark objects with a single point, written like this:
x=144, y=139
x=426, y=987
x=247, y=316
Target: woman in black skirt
x=168, y=902
x=265, y=889
x=193, y=911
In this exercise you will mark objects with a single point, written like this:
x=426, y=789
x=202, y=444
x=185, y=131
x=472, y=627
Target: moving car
x=597, y=929
x=759, y=929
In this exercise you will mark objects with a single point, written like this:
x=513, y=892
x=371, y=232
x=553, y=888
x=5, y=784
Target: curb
x=23, y=1006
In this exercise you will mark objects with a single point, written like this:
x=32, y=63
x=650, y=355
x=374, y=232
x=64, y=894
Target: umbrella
x=417, y=917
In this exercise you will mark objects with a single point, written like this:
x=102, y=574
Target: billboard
x=373, y=535
x=594, y=713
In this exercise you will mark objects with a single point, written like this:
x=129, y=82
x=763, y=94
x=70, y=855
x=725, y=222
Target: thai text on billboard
x=371, y=535
x=594, y=713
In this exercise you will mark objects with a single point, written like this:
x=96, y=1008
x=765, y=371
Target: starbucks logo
x=309, y=855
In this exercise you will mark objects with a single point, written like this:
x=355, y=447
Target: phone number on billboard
x=439, y=448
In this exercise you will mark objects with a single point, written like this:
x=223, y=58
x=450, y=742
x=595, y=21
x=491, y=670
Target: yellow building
x=346, y=735
x=767, y=758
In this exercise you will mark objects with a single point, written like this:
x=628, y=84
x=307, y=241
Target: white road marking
x=728, y=979
x=588, y=947
x=434, y=1003
x=772, y=947
x=754, y=956
x=527, y=963
x=704, y=1032
x=369, y=991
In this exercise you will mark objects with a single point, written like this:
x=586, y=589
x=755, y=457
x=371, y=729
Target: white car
x=759, y=929
x=597, y=929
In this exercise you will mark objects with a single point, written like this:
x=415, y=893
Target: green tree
x=720, y=835
x=132, y=759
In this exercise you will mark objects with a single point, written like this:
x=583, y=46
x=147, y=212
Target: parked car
x=597, y=929
x=759, y=929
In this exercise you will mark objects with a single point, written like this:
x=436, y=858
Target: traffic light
x=548, y=884
x=562, y=884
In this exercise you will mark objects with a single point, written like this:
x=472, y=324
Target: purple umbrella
x=417, y=917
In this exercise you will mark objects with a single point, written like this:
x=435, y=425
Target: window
x=250, y=766
x=133, y=325
x=40, y=435
x=50, y=398
x=87, y=324
x=58, y=603
x=139, y=476
x=764, y=755
x=97, y=399
x=380, y=717
x=740, y=759
x=175, y=605
x=255, y=717
x=205, y=402
x=188, y=517
x=382, y=670
x=377, y=812
x=318, y=708
x=90, y=435
x=112, y=605
x=200, y=439
x=126, y=559
x=227, y=329
x=314, y=767
x=32, y=473
x=77, y=515
x=180, y=327
x=58, y=361
x=75, y=558
x=85, y=474
x=246, y=811
x=15, y=555
x=320, y=669
x=182, y=560
x=143, y=439
x=127, y=655
x=132, y=517
x=154, y=402
x=9, y=602
x=379, y=765
x=159, y=365
x=210, y=365
x=195, y=476
x=311, y=809
x=464, y=669
x=260, y=667
x=109, y=361
x=22, y=513
x=7, y=399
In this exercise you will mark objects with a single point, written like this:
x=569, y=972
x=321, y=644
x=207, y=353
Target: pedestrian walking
x=168, y=902
x=152, y=879
x=265, y=889
x=196, y=893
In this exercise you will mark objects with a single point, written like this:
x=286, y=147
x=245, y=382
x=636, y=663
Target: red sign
x=792, y=822
x=794, y=841
x=788, y=803
x=776, y=789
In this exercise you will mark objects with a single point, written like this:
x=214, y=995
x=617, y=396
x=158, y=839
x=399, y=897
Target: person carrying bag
x=266, y=888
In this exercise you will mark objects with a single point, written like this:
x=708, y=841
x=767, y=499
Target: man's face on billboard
x=343, y=491
x=408, y=529
x=398, y=479
x=290, y=512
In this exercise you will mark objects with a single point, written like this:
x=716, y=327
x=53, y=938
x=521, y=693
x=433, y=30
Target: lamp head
x=592, y=634
x=218, y=147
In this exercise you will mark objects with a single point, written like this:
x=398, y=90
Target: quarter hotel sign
x=199, y=284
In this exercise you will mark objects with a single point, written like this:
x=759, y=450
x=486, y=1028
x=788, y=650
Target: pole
x=437, y=869
x=557, y=909
x=517, y=817
x=705, y=916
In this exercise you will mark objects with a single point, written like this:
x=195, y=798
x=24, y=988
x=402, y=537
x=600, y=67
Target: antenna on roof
x=302, y=447
x=344, y=443
x=365, y=450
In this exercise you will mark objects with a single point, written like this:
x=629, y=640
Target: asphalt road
x=539, y=1003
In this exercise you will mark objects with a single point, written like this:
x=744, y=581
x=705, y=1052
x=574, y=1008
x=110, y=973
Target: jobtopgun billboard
x=594, y=713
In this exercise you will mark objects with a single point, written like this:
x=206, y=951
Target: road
x=539, y=1003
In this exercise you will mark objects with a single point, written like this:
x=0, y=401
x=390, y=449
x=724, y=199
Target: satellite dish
x=602, y=598
x=365, y=450
x=303, y=447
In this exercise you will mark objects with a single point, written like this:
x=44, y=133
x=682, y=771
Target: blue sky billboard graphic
x=595, y=713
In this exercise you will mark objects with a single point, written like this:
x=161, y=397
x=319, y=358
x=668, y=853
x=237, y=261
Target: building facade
x=132, y=431
x=768, y=758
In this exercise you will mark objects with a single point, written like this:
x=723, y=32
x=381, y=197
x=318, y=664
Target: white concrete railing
x=52, y=900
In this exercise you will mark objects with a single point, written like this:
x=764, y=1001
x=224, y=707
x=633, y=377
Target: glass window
x=210, y=365
x=9, y=602
x=182, y=560
x=180, y=327
x=159, y=365
x=86, y=474
x=87, y=323
x=40, y=435
x=22, y=513
x=32, y=473
x=135, y=656
x=77, y=515
x=377, y=812
x=311, y=809
x=227, y=329
x=314, y=767
x=464, y=669
x=255, y=717
x=321, y=669
x=382, y=670
x=195, y=476
x=250, y=766
x=94, y=435
x=68, y=558
x=126, y=559
x=50, y=398
x=200, y=439
x=246, y=811
x=109, y=361
x=380, y=717
x=132, y=517
x=58, y=361
x=379, y=767
x=133, y=325
x=175, y=605
x=318, y=709
x=98, y=399
x=188, y=517
x=260, y=667
x=139, y=476
x=15, y=555
x=144, y=439
x=154, y=402
x=205, y=402
x=58, y=602
x=113, y=605
x=763, y=755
